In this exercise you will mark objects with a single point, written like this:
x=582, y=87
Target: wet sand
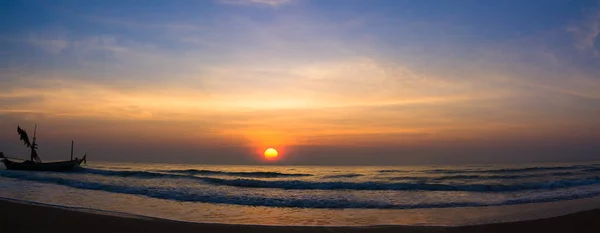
x=24, y=217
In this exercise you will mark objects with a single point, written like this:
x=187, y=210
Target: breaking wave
x=137, y=174
x=339, y=185
x=498, y=177
x=240, y=174
x=192, y=174
x=508, y=170
x=351, y=175
x=186, y=173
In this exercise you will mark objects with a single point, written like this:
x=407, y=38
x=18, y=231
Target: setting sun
x=271, y=153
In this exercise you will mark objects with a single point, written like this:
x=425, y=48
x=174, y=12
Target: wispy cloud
x=256, y=2
x=53, y=42
x=169, y=27
x=587, y=33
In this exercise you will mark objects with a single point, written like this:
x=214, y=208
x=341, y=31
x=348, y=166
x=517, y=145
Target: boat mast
x=71, y=150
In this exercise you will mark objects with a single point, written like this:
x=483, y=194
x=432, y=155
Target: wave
x=190, y=195
x=137, y=174
x=303, y=185
x=390, y=170
x=241, y=174
x=351, y=175
x=508, y=170
x=500, y=177
x=184, y=173
x=460, y=177
x=420, y=183
x=422, y=179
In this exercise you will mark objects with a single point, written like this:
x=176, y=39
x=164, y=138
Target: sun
x=271, y=153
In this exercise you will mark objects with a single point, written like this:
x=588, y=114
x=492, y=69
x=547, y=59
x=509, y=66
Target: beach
x=26, y=217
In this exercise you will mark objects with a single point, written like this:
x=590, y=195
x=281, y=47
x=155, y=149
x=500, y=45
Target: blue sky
x=418, y=81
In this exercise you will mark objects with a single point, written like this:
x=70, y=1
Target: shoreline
x=16, y=216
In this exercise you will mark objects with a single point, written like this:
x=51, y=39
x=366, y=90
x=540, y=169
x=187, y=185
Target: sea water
x=317, y=195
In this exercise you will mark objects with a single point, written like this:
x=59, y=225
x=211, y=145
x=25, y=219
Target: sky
x=348, y=82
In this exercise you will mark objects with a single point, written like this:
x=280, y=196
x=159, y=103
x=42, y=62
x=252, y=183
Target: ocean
x=315, y=195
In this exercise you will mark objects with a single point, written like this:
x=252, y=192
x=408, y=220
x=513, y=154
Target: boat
x=35, y=163
x=52, y=166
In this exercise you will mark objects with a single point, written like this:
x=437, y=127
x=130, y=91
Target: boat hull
x=53, y=166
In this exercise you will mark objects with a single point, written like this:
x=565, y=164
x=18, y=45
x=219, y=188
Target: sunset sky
x=324, y=82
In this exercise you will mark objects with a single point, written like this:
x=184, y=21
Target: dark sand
x=20, y=217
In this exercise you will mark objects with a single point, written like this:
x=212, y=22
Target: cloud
x=168, y=27
x=256, y=2
x=322, y=83
x=299, y=79
x=587, y=34
x=51, y=43
x=56, y=42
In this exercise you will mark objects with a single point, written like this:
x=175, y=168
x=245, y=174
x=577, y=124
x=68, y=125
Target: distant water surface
x=317, y=195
